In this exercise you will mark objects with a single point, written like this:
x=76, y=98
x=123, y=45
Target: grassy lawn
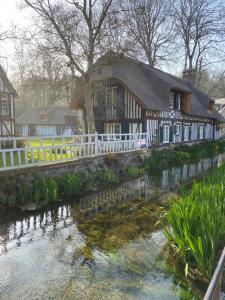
x=49, y=154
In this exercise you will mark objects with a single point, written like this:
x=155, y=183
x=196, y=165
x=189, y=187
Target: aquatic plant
x=45, y=190
x=25, y=193
x=71, y=184
x=111, y=158
x=179, y=155
x=197, y=223
x=109, y=176
x=134, y=171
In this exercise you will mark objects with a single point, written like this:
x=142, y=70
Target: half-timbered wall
x=132, y=109
x=6, y=110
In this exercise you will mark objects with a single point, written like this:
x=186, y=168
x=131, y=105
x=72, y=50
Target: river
x=105, y=246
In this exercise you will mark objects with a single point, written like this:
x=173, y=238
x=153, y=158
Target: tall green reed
x=196, y=223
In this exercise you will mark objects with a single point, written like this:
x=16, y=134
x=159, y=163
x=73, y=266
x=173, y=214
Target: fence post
x=96, y=144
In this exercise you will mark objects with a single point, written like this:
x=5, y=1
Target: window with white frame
x=201, y=132
x=111, y=95
x=177, y=129
x=171, y=104
x=4, y=105
x=112, y=128
x=166, y=133
x=186, y=133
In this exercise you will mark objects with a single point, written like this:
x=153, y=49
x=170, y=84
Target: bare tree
x=150, y=24
x=198, y=23
x=74, y=28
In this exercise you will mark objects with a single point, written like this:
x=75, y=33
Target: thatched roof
x=7, y=83
x=48, y=116
x=151, y=86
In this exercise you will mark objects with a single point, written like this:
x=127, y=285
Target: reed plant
x=195, y=223
x=133, y=171
x=71, y=184
x=109, y=177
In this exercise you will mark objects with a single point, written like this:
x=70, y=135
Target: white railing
x=18, y=152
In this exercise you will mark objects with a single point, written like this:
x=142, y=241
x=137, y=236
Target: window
x=166, y=134
x=4, y=103
x=171, y=104
x=186, y=133
x=111, y=95
x=177, y=129
x=112, y=128
x=177, y=101
x=201, y=132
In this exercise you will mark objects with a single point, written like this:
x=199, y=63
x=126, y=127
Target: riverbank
x=36, y=189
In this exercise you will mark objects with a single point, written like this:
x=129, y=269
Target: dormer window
x=175, y=100
x=171, y=100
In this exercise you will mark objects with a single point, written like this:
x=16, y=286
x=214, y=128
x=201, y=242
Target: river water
x=104, y=246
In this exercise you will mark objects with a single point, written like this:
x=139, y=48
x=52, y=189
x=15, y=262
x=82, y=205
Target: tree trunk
x=88, y=102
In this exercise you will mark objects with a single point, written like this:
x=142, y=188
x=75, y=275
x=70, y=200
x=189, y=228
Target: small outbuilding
x=49, y=121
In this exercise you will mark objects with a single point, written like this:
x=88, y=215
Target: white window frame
x=201, y=132
x=166, y=134
x=171, y=103
x=112, y=130
x=177, y=129
x=178, y=101
x=186, y=133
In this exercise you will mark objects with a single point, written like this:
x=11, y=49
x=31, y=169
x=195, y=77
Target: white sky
x=10, y=13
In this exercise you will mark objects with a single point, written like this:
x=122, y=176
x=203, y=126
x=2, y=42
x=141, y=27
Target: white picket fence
x=18, y=152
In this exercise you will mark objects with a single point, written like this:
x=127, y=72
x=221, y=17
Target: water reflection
x=104, y=246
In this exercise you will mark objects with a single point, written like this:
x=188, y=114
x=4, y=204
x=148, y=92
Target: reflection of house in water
x=33, y=227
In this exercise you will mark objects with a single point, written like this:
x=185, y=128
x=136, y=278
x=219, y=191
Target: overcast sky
x=11, y=14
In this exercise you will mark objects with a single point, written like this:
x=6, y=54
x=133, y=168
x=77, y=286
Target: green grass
x=195, y=223
x=39, y=156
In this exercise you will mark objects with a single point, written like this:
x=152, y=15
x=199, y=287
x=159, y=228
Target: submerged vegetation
x=197, y=223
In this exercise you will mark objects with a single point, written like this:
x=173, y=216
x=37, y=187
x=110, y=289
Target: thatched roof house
x=130, y=96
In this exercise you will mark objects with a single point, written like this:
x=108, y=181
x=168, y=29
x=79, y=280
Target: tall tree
x=150, y=24
x=198, y=22
x=75, y=29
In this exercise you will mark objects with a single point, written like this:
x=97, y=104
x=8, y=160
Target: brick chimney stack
x=189, y=75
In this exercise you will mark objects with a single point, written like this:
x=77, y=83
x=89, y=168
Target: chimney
x=189, y=75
